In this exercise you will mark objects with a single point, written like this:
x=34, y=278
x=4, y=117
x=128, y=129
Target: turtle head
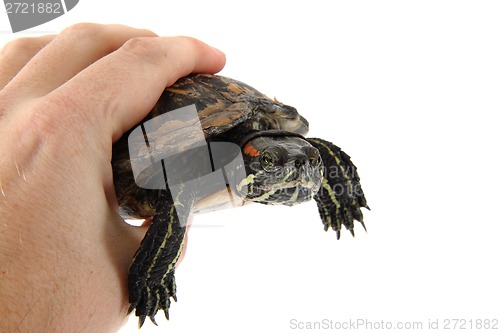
x=280, y=169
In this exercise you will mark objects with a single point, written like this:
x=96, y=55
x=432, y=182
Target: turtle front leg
x=340, y=197
x=151, y=281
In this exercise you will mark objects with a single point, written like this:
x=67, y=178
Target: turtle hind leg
x=340, y=197
x=151, y=281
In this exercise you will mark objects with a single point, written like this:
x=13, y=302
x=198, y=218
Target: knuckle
x=80, y=30
x=193, y=42
x=147, y=33
x=20, y=45
x=144, y=48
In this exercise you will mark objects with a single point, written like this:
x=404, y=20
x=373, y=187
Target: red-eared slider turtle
x=240, y=146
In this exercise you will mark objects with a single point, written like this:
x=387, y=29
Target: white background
x=411, y=91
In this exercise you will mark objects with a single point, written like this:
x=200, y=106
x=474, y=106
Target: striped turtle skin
x=277, y=165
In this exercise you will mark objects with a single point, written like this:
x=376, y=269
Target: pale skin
x=64, y=99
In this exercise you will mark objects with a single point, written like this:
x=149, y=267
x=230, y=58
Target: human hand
x=64, y=99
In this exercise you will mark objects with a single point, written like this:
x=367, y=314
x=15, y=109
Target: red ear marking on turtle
x=250, y=150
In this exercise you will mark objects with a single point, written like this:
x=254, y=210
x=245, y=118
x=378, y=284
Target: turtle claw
x=142, y=319
x=153, y=297
x=363, y=224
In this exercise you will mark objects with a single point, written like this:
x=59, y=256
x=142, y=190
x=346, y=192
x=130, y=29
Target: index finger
x=119, y=90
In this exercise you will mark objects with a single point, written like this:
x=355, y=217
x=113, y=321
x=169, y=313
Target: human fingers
x=67, y=54
x=15, y=54
x=119, y=90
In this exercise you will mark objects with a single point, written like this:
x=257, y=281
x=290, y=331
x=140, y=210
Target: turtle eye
x=269, y=161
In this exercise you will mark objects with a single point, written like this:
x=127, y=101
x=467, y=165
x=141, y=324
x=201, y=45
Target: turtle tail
x=340, y=197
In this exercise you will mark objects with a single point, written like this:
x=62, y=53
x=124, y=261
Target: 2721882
x=469, y=324
x=32, y=8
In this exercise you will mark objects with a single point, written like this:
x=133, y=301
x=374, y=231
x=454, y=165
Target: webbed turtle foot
x=340, y=197
x=149, y=298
